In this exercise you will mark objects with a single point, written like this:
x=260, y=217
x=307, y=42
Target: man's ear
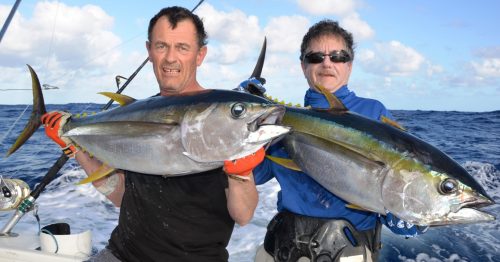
x=303, y=66
x=148, y=47
x=350, y=68
x=201, y=55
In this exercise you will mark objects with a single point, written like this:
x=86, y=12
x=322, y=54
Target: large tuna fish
x=379, y=167
x=176, y=135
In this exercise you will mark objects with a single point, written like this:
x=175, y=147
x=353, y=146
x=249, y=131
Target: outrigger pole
x=28, y=203
x=9, y=18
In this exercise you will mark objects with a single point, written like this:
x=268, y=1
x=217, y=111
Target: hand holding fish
x=241, y=168
x=253, y=85
x=53, y=123
x=400, y=227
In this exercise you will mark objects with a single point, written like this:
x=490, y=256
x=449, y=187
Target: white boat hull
x=26, y=248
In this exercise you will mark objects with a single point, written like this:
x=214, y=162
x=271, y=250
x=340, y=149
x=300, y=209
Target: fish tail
x=35, y=118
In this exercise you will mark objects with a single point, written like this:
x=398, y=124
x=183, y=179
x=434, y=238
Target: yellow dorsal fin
x=286, y=162
x=333, y=101
x=101, y=172
x=353, y=206
x=123, y=100
x=392, y=123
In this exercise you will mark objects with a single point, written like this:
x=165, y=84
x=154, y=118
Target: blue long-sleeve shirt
x=299, y=193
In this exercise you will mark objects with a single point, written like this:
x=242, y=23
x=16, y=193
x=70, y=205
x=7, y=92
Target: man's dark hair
x=327, y=27
x=176, y=14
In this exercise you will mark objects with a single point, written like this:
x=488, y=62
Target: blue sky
x=427, y=55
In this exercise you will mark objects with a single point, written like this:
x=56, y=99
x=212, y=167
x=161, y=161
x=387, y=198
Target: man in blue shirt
x=312, y=223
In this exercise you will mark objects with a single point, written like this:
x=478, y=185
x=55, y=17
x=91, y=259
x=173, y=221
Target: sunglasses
x=339, y=56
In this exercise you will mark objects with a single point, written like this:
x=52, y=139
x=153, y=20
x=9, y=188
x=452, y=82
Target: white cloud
x=387, y=82
x=235, y=40
x=345, y=10
x=391, y=58
x=236, y=33
x=488, y=52
x=285, y=33
x=360, y=29
x=487, y=68
x=328, y=7
x=481, y=73
x=433, y=69
x=64, y=35
x=72, y=47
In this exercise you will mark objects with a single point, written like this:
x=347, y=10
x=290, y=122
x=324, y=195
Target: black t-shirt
x=181, y=218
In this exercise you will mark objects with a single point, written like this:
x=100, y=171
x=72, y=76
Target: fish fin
x=123, y=100
x=257, y=71
x=333, y=101
x=286, y=162
x=362, y=152
x=101, y=172
x=353, y=206
x=392, y=123
x=36, y=114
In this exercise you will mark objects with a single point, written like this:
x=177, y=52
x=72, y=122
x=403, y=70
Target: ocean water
x=472, y=139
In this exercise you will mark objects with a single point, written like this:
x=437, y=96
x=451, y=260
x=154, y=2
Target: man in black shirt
x=186, y=218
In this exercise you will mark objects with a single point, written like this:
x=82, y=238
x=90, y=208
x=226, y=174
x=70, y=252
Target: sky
x=410, y=55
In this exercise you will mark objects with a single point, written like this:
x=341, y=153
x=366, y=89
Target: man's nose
x=170, y=55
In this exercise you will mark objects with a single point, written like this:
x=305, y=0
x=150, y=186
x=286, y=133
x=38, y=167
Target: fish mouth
x=271, y=116
x=469, y=212
x=464, y=216
x=477, y=202
x=264, y=127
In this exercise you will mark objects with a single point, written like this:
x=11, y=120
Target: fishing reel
x=13, y=192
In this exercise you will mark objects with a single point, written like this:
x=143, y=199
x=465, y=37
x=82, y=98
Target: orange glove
x=240, y=168
x=54, y=122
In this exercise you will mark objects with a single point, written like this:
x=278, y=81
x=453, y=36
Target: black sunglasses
x=338, y=56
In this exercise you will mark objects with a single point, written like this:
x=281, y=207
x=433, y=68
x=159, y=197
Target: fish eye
x=448, y=186
x=238, y=110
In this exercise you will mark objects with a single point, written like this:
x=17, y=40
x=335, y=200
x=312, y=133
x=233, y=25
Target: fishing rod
x=28, y=203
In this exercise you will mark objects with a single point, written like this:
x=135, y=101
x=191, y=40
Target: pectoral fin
x=392, y=123
x=286, y=162
x=101, y=172
x=356, y=207
x=334, y=103
x=123, y=100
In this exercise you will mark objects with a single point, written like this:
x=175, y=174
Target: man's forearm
x=242, y=199
x=112, y=186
